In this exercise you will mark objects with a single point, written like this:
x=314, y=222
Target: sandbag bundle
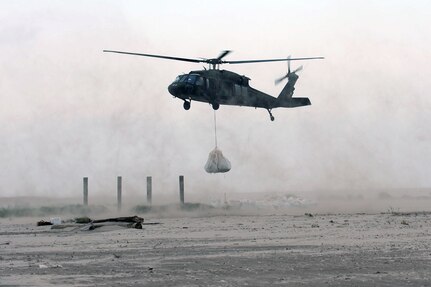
x=216, y=162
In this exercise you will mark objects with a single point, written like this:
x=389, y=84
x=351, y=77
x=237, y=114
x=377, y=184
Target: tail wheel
x=186, y=105
x=270, y=115
x=216, y=106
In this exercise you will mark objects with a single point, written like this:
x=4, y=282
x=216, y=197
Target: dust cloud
x=68, y=110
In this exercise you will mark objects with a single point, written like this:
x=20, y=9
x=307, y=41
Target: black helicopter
x=220, y=87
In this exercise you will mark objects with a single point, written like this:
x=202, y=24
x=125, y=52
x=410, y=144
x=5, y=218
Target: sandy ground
x=224, y=250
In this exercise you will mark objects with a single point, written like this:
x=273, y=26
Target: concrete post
x=182, y=189
x=85, y=181
x=149, y=190
x=119, y=186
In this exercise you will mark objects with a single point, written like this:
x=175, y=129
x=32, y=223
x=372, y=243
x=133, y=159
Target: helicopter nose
x=173, y=89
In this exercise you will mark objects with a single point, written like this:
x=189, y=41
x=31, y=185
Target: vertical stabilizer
x=289, y=88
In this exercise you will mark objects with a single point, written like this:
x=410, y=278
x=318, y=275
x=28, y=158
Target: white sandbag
x=217, y=162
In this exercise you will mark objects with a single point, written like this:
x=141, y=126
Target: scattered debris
x=56, y=220
x=62, y=226
x=130, y=222
x=82, y=220
x=131, y=219
x=87, y=227
x=43, y=223
x=314, y=225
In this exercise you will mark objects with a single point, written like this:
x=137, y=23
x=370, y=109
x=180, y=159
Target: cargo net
x=216, y=162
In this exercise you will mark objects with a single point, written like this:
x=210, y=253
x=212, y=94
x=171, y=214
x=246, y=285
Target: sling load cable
x=215, y=128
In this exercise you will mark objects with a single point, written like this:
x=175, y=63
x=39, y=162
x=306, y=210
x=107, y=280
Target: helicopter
x=221, y=87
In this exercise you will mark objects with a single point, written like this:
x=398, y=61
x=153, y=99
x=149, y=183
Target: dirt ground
x=223, y=250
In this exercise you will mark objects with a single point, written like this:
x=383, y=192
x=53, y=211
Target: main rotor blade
x=158, y=56
x=223, y=54
x=271, y=60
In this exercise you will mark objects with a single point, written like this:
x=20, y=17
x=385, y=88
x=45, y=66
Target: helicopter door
x=237, y=90
x=244, y=91
x=213, y=84
x=211, y=87
x=199, y=81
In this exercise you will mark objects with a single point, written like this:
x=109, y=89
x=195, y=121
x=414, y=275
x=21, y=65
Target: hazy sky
x=68, y=110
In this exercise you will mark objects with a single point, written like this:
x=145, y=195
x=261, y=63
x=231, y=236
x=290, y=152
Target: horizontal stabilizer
x=294, y=102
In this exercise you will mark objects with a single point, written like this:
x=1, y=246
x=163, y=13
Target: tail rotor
x=289, y=72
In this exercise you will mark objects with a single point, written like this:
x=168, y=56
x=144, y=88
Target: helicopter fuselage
x=222, y=87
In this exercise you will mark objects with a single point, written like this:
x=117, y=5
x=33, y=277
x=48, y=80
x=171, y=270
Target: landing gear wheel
x=270, y=115
x=216, y=106
x=186, y=105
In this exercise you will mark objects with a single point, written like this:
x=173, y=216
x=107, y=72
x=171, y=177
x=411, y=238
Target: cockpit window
x=181, y=78
x=191, y=79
